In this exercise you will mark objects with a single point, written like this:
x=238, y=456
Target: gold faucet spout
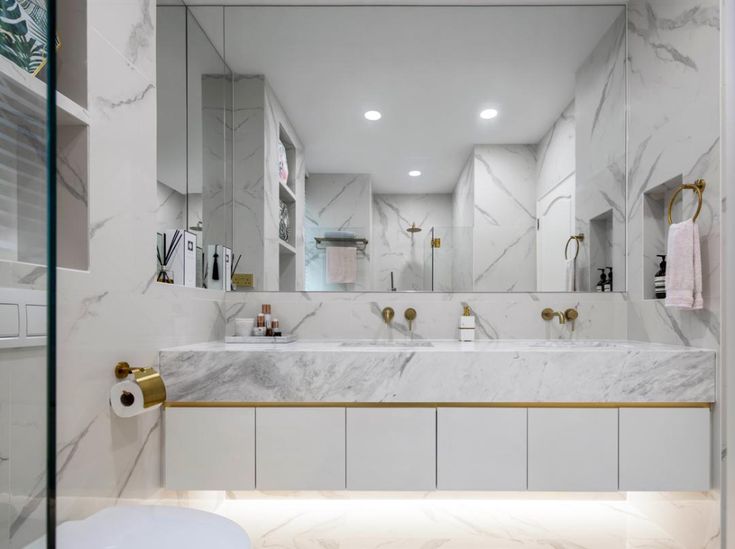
x=549, y=313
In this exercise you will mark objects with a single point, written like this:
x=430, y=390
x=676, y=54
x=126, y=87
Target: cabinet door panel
x=209, y=448
x=391, y=449
x=300, y=448
x=573, y=449
x=666, y=449
x=481, y=449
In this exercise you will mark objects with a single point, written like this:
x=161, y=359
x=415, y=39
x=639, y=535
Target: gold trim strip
x=214, y=404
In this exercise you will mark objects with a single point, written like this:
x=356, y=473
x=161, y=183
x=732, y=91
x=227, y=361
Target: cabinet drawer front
x=665, y=449
x=573, y=449
x=391, y=449
x=481, y=449
x=300, y=448
x=209, y=448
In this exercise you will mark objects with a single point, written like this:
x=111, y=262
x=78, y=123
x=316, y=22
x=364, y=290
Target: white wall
x=115, y=311
x=407, y=254
x=337, y=202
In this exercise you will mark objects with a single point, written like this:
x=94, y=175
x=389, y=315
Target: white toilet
x=151, y=527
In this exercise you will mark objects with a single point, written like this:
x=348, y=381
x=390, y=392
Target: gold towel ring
x=578, y=238
x=698, y=187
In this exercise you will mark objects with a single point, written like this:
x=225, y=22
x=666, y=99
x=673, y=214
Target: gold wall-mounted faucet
x=388, y=314
x=549, y=314
x=569, y=315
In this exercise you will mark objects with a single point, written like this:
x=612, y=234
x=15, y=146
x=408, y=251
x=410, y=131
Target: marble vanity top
x=489, y=371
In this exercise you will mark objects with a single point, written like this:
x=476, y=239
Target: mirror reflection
x=429, y=148
x=194, y=188
x=465, y=149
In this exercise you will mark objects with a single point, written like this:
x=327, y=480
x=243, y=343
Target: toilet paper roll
x=127, y=399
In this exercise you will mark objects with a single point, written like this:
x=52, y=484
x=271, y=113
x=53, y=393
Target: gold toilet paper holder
x=149, y=381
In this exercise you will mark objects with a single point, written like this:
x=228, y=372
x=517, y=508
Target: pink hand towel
x=341, y=265
x=684, y=267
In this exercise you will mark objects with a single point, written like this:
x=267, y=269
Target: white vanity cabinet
x=481, y=448
x=300, y=448
x=573, y=449
x=209, y=448
x=391, y=448
x=665, y=449
x=584, y=449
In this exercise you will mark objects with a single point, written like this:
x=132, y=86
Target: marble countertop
x=505, y=371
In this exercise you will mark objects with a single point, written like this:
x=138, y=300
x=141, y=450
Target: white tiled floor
x=366, y=521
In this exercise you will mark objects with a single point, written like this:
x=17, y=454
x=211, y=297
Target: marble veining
x=444, y=371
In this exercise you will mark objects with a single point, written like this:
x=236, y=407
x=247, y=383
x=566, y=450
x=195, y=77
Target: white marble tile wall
x=276, y=120
x=600, y=158
x=504, y=236
x=499, y=315
x=170, y=208
x=337, y=202
x=555, y=153
x=249, y=166
x=674, y=131
x=115, y=311
x=408, y=255
x=463, y=219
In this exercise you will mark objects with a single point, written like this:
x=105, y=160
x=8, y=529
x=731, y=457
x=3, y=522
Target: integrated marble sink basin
x=421, y=371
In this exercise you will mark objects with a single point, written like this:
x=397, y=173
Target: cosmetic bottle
x=659, y=281
x=600, y=287
x=276, y=328
x=266, y=311
x=609, y=283
x=467, y=325
x=259, y=329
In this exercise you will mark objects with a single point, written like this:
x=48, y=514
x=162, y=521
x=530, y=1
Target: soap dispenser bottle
x=467, y=325
x=659, y=280
x=600, y=287
x=609, y=284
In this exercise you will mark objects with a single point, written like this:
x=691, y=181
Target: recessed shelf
x=286, y=248
x=286, y=194
x=68, y=112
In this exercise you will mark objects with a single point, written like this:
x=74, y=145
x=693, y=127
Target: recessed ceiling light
x=487, y=114
x=373, y=115
x=414, y=173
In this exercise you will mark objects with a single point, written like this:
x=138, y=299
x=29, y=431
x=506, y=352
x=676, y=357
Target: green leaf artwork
x=23, y=33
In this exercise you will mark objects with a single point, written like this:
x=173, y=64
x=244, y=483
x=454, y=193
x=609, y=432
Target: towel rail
x=360, y=243
x=698, y=187
x=578, y=239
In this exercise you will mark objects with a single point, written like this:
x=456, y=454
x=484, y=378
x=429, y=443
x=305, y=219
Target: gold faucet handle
x=547, y=314
x=388, y=314
x=410, y=315
x=571, y=315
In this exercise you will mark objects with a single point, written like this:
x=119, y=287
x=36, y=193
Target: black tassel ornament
x=215, y=267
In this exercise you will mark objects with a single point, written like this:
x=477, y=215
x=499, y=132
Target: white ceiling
x=429, y=70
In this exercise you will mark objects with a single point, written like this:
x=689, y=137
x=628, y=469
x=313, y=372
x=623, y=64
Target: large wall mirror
x=465, y=149
x=194, y=187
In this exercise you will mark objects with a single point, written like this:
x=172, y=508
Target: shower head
x=414, y=229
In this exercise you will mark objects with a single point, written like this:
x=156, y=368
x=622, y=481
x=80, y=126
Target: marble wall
x=337, y=202
x=499, y=315
x=600, y=159
x=504, y=235
x=408, y=255
x=259, y=121
x=463, y=218
x=115, y=311
x=674, y=131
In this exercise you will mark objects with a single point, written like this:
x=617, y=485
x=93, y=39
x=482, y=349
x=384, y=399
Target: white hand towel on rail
x=341, y=265
x=684, y=266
